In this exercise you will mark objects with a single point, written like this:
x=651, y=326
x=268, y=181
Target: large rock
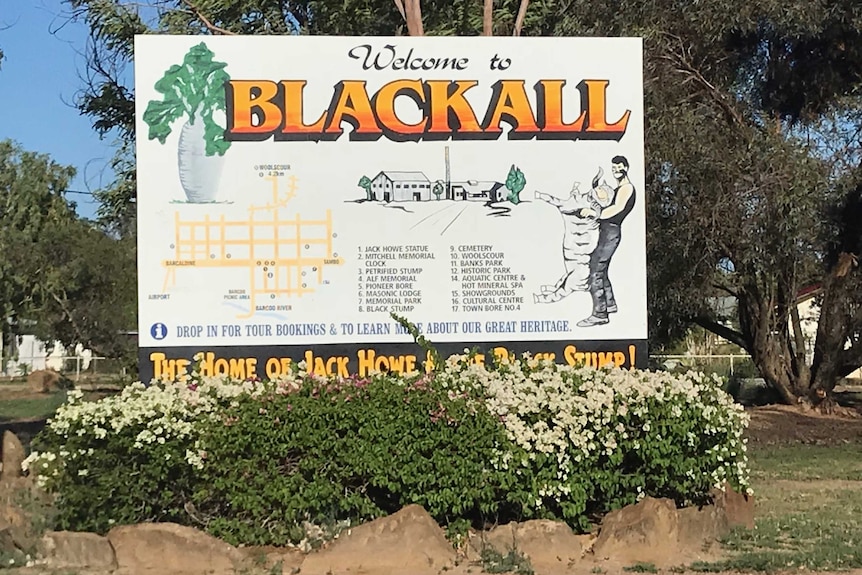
x=7, y=540
x=70, y=550
x=737, y=508
x=699, y=529
x=16, y=525
x=271, y=560
x=548, y=545
x=43, y=381
x=171, y=548
x=409, y=541
x=646, y=532
x=13, y=456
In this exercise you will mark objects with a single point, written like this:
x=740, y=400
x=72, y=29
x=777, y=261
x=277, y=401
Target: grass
x=809, y=512
x=512, y=562
x=31, y=408
x=641, y=568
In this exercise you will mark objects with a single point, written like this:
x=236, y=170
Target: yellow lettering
x=273, y=368
x=337, y=366
x=242, y=368
x=159, y=364
x=208, y=364
x=366, y=361
x=402, y=363
x=572, y=355
x=502, y=355
x=604, y=358
x=221, y=367
x=182, y=365
x=429, y=362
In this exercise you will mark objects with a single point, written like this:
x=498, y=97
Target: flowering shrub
x=254, y=462
x=126, y=458
x=357, y=448
x=587, y=441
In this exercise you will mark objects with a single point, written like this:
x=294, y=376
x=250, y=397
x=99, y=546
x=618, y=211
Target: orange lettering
x=294, y=125
x=351, y=105
x=549, y=106
x=509, y=103
x=450, y=113
x=248, y=100
x=594, y=100
x=384, y=106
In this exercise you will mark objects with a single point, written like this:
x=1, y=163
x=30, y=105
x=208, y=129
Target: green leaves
x=515, y=183
x=194, y=89
x=256, y=465
x=57, y=269
x=365, y=184
x=160, y=115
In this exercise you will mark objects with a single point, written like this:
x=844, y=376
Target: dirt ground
x=786, y=425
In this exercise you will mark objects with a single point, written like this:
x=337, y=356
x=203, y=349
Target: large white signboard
x=296, y=191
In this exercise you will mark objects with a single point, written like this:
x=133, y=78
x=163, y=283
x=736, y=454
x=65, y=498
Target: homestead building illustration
x=391, y=186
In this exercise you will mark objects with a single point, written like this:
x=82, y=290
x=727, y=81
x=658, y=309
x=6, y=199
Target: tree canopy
x=63, y=278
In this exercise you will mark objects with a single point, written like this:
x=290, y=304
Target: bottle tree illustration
x=365, y=184
x=438, y=189
x=193, y=90
x=515, y=183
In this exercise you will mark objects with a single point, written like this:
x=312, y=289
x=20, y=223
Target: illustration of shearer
x=592, y=232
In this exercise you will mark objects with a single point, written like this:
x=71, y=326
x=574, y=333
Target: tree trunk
x=519, y=19
x=803, y=371
x=769, y=343
x=413, y=10
x=488, y=18
x=838, y=316
x=772, y=367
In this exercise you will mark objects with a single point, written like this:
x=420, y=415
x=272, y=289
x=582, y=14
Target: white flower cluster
x=572, y=414
x=159, y=413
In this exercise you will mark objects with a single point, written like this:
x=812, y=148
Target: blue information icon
x=159, y=331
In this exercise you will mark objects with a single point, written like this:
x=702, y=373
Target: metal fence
x=739, y=366
x=75, y=367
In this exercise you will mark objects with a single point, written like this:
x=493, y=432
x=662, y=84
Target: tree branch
x=725, y=289
x=206, y=22
x=72, y=322
x=413, y=15
x=488, y=18
x=718, y=329
x=519, y=20
x=681, y=60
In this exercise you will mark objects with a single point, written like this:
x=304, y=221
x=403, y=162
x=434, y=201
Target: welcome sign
x=296, y=192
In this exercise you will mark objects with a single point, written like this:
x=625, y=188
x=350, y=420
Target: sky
x=39, y=78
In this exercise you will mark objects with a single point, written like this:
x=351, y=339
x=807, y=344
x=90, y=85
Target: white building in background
x=33, y=354
x=809, y=314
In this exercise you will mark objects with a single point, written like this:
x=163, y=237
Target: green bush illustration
x=515, y=183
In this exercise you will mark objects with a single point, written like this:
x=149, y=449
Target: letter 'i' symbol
x=159, y=331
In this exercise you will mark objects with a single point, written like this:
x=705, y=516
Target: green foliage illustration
x=515, y=183
x=365, y=184
x=194, y=89
x=438, y=189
